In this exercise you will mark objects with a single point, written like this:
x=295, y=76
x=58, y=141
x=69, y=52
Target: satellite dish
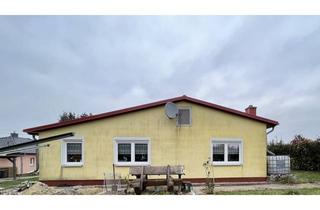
x=171, y=110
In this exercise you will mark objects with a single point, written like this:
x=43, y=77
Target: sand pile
x=40, y=188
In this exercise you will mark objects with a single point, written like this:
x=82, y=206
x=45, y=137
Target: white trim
x=132, y=141
x=65, y=141
x=227, y=141
x=190, y=117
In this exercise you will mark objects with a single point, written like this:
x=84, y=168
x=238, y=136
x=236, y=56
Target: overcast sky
x=102, y=63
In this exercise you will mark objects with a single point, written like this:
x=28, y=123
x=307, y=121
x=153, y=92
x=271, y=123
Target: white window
x=131, y=151
x=31, y=161
x=227, y=151
x=184, y=116
x=72, y=152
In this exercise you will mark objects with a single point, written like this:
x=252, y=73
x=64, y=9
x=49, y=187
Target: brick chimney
x=251, y=110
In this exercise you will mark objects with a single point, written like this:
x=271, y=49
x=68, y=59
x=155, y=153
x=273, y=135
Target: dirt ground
x=42, y=189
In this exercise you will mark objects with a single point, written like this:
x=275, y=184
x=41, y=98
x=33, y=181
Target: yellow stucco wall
x=189, y=145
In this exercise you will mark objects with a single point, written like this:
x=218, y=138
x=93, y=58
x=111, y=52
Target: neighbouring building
x=25, y=158
x=234, y=141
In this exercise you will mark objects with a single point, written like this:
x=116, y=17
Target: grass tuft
x=13, y=183
x=307, y=176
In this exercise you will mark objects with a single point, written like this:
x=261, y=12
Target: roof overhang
x=11, y=149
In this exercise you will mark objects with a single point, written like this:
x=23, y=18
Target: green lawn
x=13, y=183
x=307, y=176
x=301, y=177
x=313, y=191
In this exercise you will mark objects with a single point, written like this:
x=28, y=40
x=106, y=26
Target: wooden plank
x=114, y=187
x=157, y=170
x=170, y=184
x=179, y=189
x=168, y=175
x=141, y=178
x=135, y=183
x=154, y=182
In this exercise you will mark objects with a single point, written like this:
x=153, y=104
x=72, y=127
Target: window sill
x=227, y=164
x=69, y=165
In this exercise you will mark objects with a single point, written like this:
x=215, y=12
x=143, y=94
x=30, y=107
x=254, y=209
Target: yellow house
x=235, y=142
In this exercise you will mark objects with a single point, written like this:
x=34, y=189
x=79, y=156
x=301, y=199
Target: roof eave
x=36, y=130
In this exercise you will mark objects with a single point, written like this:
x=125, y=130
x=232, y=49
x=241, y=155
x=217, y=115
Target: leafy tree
x=279, y=148
x=304, y=152
x=85, y=115
x=65, y=116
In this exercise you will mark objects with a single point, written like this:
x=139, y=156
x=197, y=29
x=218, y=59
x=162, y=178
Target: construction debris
x=43, y=189
x=39, y=188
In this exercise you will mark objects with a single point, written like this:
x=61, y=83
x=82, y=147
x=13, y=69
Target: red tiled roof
x=36, y=130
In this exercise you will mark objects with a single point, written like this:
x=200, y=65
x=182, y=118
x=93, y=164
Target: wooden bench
x=142, y=173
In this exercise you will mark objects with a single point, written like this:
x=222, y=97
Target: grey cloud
x=50, y=64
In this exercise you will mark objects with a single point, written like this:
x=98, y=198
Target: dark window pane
x=217, y=157
x=74, y=152
x=141, y=152
x=184, y=116
x=124, y=152
x=74, y=158
x=233, y=152
x=218, y=152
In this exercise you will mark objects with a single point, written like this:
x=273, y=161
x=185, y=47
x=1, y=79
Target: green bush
x=304, y=153
x=279, y=148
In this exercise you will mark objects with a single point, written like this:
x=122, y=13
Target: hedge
x=304, y=153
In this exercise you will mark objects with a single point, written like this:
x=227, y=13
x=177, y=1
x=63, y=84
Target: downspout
x=268, y=151
x=37, y=154
x=272, y=129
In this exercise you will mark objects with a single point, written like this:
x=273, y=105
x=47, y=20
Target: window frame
x=64, y=161
x=132, y=141
x=227, y=141
x=190, y=118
